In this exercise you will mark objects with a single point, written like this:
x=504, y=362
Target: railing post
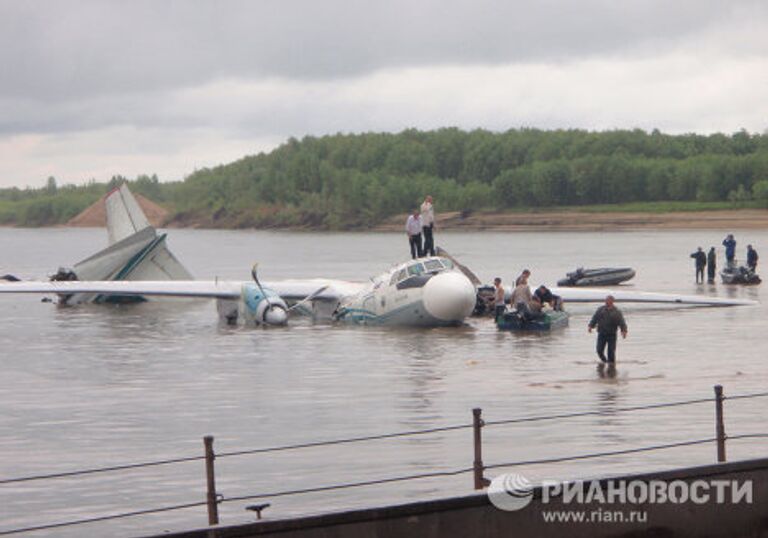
x=719, y=423
x=213, y=507
x=477, y=424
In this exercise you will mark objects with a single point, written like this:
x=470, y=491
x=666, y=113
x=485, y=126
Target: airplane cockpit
x=416, y=273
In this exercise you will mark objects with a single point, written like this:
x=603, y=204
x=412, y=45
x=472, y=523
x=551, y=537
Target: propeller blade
x=255, y=276
x=309, y=297
x=463, y=268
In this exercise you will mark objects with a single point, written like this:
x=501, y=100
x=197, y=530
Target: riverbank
x=576, y=220
x=682, y=216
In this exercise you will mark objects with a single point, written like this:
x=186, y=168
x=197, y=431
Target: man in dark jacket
x=711, y=265
x=701, y=263
x=608, y=319
x=730, y=249
x=751, y=258
x=545, y=295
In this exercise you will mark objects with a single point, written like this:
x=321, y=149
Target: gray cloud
x=92, y=88
x=65, y=49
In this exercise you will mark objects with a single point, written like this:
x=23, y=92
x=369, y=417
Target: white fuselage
x=424, y=292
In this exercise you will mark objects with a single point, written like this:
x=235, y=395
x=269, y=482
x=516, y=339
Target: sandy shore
x=722, y=220
x=589, y=221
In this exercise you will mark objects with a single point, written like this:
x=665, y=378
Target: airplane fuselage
x=428, y=292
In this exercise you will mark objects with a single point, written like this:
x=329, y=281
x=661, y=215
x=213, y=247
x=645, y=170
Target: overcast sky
x=90, y=89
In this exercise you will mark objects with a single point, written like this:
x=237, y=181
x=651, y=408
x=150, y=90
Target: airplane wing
x=173, y=288
x=299, y=289
x=580, y=295
x=290, y=290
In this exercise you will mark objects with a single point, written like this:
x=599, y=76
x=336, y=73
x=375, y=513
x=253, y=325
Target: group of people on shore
x=421, y=226
x=708, y=260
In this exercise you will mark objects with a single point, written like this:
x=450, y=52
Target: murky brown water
x=98, y=385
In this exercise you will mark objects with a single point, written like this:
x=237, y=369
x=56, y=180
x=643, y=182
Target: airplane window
x=415, y=269
x=433, y=265
x=448, y=263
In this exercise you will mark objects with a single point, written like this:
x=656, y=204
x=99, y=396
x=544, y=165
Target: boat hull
x=549, y=321
x=597, y=277
x=739, y=275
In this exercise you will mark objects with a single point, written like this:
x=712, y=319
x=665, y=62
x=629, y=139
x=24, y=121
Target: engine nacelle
x=259, y=308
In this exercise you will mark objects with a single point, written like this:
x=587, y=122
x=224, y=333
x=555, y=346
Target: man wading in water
x=608, y=320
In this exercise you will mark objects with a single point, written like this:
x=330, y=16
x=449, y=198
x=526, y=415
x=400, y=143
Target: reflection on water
x=100, y=385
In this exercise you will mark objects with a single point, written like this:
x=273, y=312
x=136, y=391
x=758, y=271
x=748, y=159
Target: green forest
x=348, y=181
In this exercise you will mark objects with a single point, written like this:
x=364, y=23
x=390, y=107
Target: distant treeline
x=351, y=181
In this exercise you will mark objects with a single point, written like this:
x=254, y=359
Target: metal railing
x=214, y=498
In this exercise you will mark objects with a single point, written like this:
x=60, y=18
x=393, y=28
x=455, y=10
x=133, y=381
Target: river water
x=97, y=386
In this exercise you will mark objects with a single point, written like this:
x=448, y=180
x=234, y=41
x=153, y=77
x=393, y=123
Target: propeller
x=274, y=314
x=463, y=268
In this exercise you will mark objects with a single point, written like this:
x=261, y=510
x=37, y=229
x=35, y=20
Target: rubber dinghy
x=512, y=321
x=603, y=276
x=739, y=275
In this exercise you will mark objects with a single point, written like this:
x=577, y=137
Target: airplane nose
x=276, y=315
x=449, y=296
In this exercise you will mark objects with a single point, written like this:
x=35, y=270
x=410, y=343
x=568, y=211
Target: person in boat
x=609, y=320
x=711, y=265
x=730, y=249
x=535, y=309
x=500, y=305
x=546, y=296
x=413, y=228
x=752, y=258
x=525, y=275
x=701, y=263
x=521, y=295
x=428, y=226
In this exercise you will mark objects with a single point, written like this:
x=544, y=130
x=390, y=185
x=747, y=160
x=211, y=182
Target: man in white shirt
x=428, y=223
x=413, y=227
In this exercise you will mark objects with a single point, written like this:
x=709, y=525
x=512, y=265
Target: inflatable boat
x=547, y=321
x=733, y=274
x=604, y=276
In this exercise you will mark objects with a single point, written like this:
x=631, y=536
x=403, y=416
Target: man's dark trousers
x=429, y=240
x=415, y=241
x=604, y=340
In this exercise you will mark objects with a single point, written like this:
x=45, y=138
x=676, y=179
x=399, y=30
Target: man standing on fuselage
x=428, y=224
x=413, y=229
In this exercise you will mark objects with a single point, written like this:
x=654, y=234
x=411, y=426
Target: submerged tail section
x=135, y=252
x=124, y=216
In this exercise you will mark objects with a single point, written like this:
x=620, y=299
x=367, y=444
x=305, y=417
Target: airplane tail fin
x=124, y=215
